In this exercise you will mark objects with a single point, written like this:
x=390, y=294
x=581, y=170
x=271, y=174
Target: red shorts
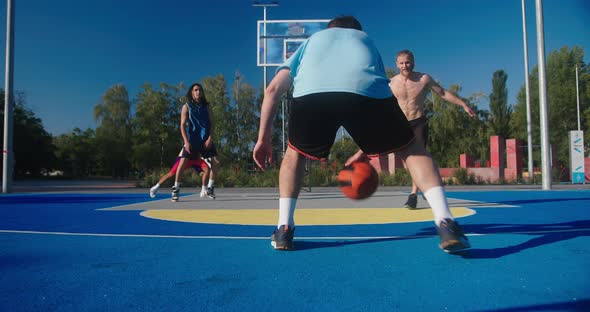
x=198, y=164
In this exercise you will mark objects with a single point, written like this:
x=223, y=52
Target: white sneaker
x=203, y=193
x=153, y=193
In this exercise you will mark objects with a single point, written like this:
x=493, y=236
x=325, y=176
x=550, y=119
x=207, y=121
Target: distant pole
x=528, y=96
x=264, y=34
x=545, y=145
x=578, y=97
x=264, y=5
x=237, y=94
x=8, y=99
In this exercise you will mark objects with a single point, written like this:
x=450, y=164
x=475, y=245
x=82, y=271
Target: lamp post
x=237, y=94
x=264, y=5
x=8, y=100
x=578, y=97
x=528, y=97
x=545, y=145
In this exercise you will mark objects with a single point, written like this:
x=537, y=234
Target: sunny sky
x=69, y=52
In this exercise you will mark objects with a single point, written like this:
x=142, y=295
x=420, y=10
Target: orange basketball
x=358, y=181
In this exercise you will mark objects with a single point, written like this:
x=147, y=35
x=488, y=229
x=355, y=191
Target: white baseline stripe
x=267, y=237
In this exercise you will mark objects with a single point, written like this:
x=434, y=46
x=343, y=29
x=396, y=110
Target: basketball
x=358, y=180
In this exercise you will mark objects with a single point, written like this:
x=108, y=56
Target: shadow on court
x=542, y=200
x=307, y=245
x=578, y=305
x=544, y=234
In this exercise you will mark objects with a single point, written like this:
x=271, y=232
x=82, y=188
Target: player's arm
x=449, y=96
x=358, y=156
x=183, y=117
x=272, y=96
x=209, y=140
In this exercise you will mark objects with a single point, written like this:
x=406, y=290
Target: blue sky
x=68, y=53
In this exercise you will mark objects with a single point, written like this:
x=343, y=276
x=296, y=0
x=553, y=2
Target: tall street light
x=8, y=100
x=528, y=97
x=264, y=5
x=578, y=97
x=545, y=145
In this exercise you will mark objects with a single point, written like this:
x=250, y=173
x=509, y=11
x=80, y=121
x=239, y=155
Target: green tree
x=561, y=101
x=76, y=153
x=500, y=111
x=451, y=130
x=246, y=121
x=342, y=150
x=480, y=143
x=113, y=135
x=156, y=139
x=34, y=152
x=216, y=93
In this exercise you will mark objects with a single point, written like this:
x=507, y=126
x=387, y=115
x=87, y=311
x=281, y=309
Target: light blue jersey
x=338, y=60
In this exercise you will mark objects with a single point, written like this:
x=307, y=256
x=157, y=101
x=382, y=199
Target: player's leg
x=390, y=131
x=210, y=158
x=204, y=180
x=418, y=125
x=290, y=179
x=179, y=171
x=311, y=134
x=211, y=184
x=424, y=172
x=164, y=178
x=154, y=189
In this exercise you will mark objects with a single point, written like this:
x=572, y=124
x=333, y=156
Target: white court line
x=267, y=237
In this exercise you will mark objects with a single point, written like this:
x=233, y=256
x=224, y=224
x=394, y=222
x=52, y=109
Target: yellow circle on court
x=303, y=216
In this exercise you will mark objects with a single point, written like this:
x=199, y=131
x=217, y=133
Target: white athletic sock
x=211, y=183
x=177, y=184
x=155, y=187
x=286, y=211
x=438, y=201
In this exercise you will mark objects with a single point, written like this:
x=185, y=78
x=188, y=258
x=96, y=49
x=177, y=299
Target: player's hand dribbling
x=359, y=156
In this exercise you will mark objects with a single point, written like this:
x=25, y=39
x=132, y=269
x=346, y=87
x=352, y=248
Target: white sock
x=176, y=184
x=286, y=211
x=438, y=201
x=210, y=183
x=203, y=188
x=155, y=187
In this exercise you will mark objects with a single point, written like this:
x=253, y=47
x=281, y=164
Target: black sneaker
x=452, y=238
x=175, y=192
x=282, y=238
x=412, y=201
x=211, y=192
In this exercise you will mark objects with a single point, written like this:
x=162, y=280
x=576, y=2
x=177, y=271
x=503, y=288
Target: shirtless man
x=410, y=88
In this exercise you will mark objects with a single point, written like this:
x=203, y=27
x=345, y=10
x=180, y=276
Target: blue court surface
x=119, y=250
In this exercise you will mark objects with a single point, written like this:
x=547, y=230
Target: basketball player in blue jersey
x=339, y=79
x=196, y=128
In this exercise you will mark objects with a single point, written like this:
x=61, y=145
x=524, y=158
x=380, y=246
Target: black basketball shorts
x=199, y=151
x=420, y=126
x=377, y=126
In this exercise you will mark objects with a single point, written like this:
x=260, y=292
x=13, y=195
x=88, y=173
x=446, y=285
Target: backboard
x=283, y=37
